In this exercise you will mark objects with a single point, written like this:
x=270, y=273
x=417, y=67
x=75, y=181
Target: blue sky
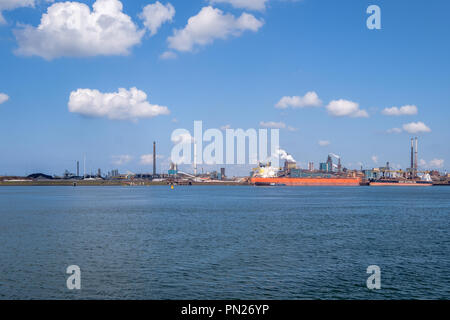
x=226, y=71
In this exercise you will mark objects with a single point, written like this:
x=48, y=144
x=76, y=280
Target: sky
x=106, y=78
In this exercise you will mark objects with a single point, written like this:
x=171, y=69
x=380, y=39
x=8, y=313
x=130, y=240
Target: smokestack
x=415, y=158
x=78, y=168
x=412, y=154
x=154, y=158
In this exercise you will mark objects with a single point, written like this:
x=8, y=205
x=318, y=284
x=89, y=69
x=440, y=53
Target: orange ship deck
x=308, y=181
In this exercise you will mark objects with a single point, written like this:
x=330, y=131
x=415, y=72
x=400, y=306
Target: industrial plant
x=331, y=172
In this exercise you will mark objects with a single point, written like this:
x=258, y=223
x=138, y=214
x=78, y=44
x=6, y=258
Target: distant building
x=330, y=164
x=288, y=165
x=173, y=169
x=324, y=167
x=435, y=173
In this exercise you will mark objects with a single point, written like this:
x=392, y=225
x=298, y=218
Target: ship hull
x=400, y=184
x=306, y=181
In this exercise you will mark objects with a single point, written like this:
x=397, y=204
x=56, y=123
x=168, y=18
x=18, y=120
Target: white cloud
x=272, y=125
x=154, y=15
x=416, y=127
x=14, y=4
x=121, y=159
x=122, y=105
x=310, y=99
x=168, y=55
x=244, y=4
x=147, y=159
x=346, y=108
x=225, y=127
x=210, y=24
x=72, y=29
x=3, y=98
x=324, y=143
x=394, y=130
x=375, y=159
x=434, y=164
x=292, y=129
x=408, y=110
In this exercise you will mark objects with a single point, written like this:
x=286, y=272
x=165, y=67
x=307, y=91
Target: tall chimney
x=412, y=153
x=154, y=158
x=415, y=159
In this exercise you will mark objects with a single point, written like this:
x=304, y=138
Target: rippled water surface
x=224, y=242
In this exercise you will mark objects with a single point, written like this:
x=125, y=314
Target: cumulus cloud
x=324, y=143
x=14, y=4
x=122, y=105
x=272, y=125
x=416, y=127
x=346, y=108
x=434, y=164
x=3, y=98
x=310, y=99
x=211, y=24
x=147, y=159
x=407, y=110
x=375, y=159
x=154, y=15
x=244, y=4
x=121, y=159
x=292, y=129
x=72, y=29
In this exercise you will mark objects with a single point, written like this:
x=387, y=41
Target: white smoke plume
x=267, y=172
x=284, y=155
x=335, y=155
